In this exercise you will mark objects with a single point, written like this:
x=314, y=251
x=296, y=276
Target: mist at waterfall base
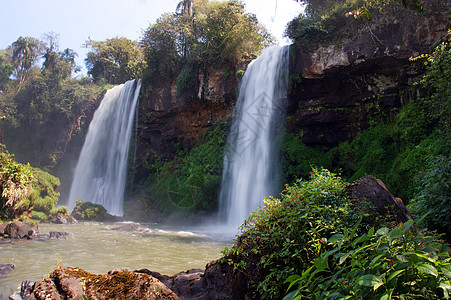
x=100, y=174
x=252, y=157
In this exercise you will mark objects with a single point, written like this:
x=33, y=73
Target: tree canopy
x=115, y=60
x=202, y=33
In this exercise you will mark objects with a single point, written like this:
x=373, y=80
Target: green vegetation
x=326, y=21
x=398, y=263
x=410, y=155
x=200, y=34
x=289, y=232
x=115, y=60
x=25, y=189
x=189, y=183
x=45, y=195
x=88, y=211
x=319, y=242
x=15, y=185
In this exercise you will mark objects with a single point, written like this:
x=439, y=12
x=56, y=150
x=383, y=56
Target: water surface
x=97, y=249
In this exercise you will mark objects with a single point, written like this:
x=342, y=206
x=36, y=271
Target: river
x=97, y=249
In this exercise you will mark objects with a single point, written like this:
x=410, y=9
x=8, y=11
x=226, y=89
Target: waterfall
x=251, y=163
x=101, y=170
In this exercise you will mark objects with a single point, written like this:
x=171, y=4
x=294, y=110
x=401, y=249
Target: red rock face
x=168, y=121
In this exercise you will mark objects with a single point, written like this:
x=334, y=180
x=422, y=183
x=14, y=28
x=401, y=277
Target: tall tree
x=115, y=60
x=25, y=53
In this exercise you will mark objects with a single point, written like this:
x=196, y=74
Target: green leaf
x=446, y=289
x=291, y=295
x=427, y=269
x=370, y=280
x=407, y=226
x=335, y=238
x=403, y=258
x=446, y=269
x=395, y=274
x=344, y=257
x=382, y=231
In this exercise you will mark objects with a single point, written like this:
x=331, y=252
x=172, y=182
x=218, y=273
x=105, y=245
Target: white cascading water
x=101, y=170
x=251, y=163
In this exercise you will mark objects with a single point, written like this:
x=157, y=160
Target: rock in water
x=6, y=268
x=18, y=230
x=74, y=283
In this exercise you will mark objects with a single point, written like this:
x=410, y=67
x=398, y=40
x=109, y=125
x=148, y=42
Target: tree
x=6, y=68
x=115, y=60
x=25, y=54
x=201, y=33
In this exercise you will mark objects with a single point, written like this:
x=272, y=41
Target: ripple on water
x=96, y=249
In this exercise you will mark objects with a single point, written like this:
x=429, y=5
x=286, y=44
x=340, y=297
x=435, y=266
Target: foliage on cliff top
x=200, y=33
x=326, y=21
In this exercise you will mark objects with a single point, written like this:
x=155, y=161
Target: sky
x=75, y=21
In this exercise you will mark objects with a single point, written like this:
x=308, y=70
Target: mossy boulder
x=89, y=211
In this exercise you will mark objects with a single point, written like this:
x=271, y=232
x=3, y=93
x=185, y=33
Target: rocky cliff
x=336, y=88
x=339, y=87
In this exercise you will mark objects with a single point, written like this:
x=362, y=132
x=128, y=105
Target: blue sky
x=77, y=21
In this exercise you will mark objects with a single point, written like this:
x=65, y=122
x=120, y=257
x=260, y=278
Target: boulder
x=63, y=219
x=372, y=191
x=189, y=285
x=18, y=230
x=75, y=283
x=6, y=268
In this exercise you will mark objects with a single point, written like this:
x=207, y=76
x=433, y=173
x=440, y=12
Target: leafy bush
x=284, y=236
x=45, y=191
x=329, y=23
x=401, y=263
x=298, y=159
x=15, y=185
x=191, y=181
x=90, y=212
x=434, y=193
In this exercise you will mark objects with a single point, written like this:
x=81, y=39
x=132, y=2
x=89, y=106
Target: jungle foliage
x=200, y=34
x=190, y=183
x=410, y=155
x=325, y=21
x=311, y=242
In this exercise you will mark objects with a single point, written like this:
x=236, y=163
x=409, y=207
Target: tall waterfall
x=251, y=163
x=101, y=170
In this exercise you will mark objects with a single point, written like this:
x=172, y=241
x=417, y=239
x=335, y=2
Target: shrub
x=401, y=263
x=15, y=185
x=191, y=181
x=90, y=212
x=284, y=236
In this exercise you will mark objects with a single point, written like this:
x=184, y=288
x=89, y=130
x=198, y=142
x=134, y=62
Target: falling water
x=251, y=163
x=101, y=170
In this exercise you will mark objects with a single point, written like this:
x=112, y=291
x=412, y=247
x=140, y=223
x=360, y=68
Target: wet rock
x=6, y=268
x=157, y=275
x=18, y=230
x=370, y=190
x=63, y=219
x=75, y=283
x=130, y=227
x=189, y=285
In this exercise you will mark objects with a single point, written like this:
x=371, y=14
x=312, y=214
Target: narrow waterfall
x=101, y=170
x=251, y=163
